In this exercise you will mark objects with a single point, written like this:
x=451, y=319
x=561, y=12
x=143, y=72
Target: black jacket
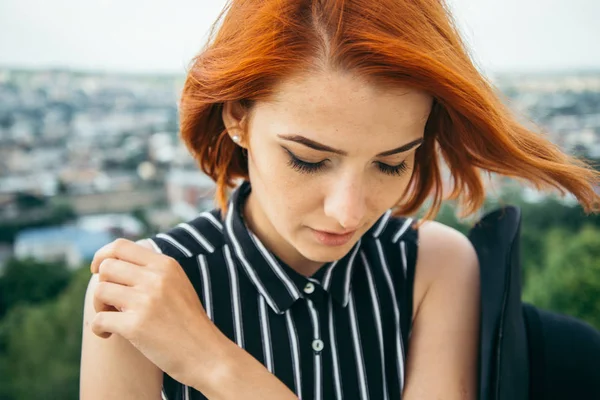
x=525, y=352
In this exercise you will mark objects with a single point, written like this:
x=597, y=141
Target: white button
x=317, y=345
x=309, y=288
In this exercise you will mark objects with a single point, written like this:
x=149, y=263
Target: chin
x=320, y=253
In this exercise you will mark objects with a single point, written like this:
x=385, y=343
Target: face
x=328, y=154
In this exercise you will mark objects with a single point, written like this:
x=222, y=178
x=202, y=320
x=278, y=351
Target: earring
x=235, y=138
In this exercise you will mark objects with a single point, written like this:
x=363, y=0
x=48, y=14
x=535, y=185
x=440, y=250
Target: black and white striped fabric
x=339, y=334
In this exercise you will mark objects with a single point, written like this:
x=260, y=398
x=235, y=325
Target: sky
x=162, y=36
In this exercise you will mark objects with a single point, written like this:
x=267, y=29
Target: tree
x=26, y=201
x=569, y=283
x=30, y=282
x=41, y=346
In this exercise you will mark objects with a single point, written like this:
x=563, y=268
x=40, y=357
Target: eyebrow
x=321, y=147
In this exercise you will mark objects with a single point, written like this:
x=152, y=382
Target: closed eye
x=394, y=170
x=306, y=167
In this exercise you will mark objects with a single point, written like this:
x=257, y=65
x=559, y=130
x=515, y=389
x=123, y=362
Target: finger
x=119, y=271
x=125, y=250
x=110, y=295
x=106, y=323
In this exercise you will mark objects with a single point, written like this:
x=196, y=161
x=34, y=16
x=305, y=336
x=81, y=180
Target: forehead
x=335, y=101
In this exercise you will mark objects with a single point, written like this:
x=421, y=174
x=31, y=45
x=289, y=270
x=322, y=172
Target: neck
x=258, y=223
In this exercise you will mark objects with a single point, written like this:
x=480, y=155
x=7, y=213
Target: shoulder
x=202, y=235
x=442, y=248
x=443, y=258
x=446, y=262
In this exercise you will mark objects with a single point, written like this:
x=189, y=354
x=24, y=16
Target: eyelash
x=312, y=168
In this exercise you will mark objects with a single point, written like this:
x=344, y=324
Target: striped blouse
x=342, y=333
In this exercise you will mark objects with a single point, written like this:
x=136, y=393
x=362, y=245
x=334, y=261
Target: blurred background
x=89, y=152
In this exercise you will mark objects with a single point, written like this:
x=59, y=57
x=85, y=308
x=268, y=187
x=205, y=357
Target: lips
x=335, y=233
x=333, y=239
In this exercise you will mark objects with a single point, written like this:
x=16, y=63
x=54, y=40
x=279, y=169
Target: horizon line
x=183, y=72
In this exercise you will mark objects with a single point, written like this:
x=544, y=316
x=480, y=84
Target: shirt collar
x=278, y=283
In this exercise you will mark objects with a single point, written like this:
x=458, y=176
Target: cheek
x=268, y=168
x=386, y=192
x=284, y=194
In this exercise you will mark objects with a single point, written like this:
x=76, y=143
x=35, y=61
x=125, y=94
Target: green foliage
x=41, y=346
x=552, y=214
x=569, y=283
x=26, y=201
x=30, y=281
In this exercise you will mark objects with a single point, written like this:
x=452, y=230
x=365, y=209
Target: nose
x=345, y=202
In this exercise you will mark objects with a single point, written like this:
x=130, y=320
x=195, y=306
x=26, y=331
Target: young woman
x=331, y=119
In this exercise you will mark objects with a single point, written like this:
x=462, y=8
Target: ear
x=235, y=116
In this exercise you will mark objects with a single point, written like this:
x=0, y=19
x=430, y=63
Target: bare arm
x=442, y=363
x=113, y=368
x=243, y=377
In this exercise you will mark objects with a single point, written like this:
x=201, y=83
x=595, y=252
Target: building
x=189, y=192
x=71, y=245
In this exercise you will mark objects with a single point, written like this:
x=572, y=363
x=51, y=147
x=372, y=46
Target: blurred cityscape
x=88, y=157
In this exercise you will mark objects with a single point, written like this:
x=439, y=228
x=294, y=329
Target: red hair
x=395, y=42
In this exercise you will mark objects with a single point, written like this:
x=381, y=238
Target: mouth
x=333, y=239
